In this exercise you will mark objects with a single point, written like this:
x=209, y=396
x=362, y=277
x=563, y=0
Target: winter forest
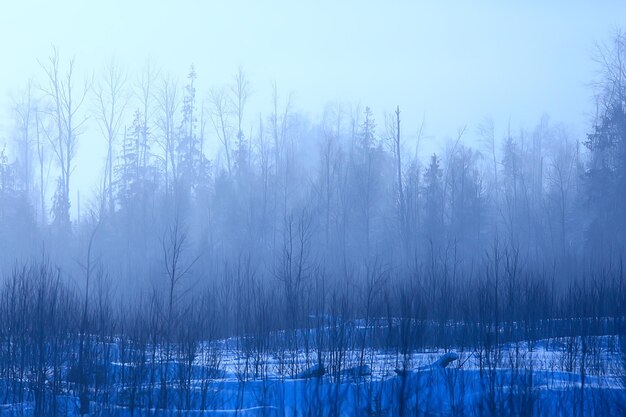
x=235, y=252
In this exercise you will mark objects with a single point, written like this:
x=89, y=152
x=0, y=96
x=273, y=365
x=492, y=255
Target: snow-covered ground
x=562, y=376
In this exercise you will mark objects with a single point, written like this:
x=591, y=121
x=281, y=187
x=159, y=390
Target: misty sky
x=454, y=62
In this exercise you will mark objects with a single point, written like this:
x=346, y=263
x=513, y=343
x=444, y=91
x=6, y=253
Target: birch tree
x=111, y=101
x=66, y=101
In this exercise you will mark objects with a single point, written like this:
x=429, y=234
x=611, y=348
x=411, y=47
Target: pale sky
x=453, y=62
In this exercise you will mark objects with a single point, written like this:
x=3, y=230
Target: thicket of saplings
x=164, y=349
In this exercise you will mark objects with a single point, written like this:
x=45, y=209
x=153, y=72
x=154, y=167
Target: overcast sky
x=454, y=62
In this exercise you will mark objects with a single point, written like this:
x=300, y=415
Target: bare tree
x=177, y=268
x=561, y=178
x=278, y=127
x=486, y=131
x=66, y=102
x=168, y=101
x=393, y=133
x=41, y=158
x=240, y=91
x=144, y=87
x=24, y=109
x=111, y=101
x=88, y=268
x=220, y=117
x=611, y=83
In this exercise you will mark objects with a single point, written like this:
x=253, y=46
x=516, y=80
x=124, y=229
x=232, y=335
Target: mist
x=312, y=209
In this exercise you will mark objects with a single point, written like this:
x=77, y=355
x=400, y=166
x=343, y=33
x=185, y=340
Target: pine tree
x=432, y=195
x=605, y=179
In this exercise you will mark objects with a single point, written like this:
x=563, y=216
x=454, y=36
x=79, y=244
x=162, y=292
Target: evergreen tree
x=606, y=180
x=432, y=196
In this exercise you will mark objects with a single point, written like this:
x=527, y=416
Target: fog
x=225, y=195
x=451, y=64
